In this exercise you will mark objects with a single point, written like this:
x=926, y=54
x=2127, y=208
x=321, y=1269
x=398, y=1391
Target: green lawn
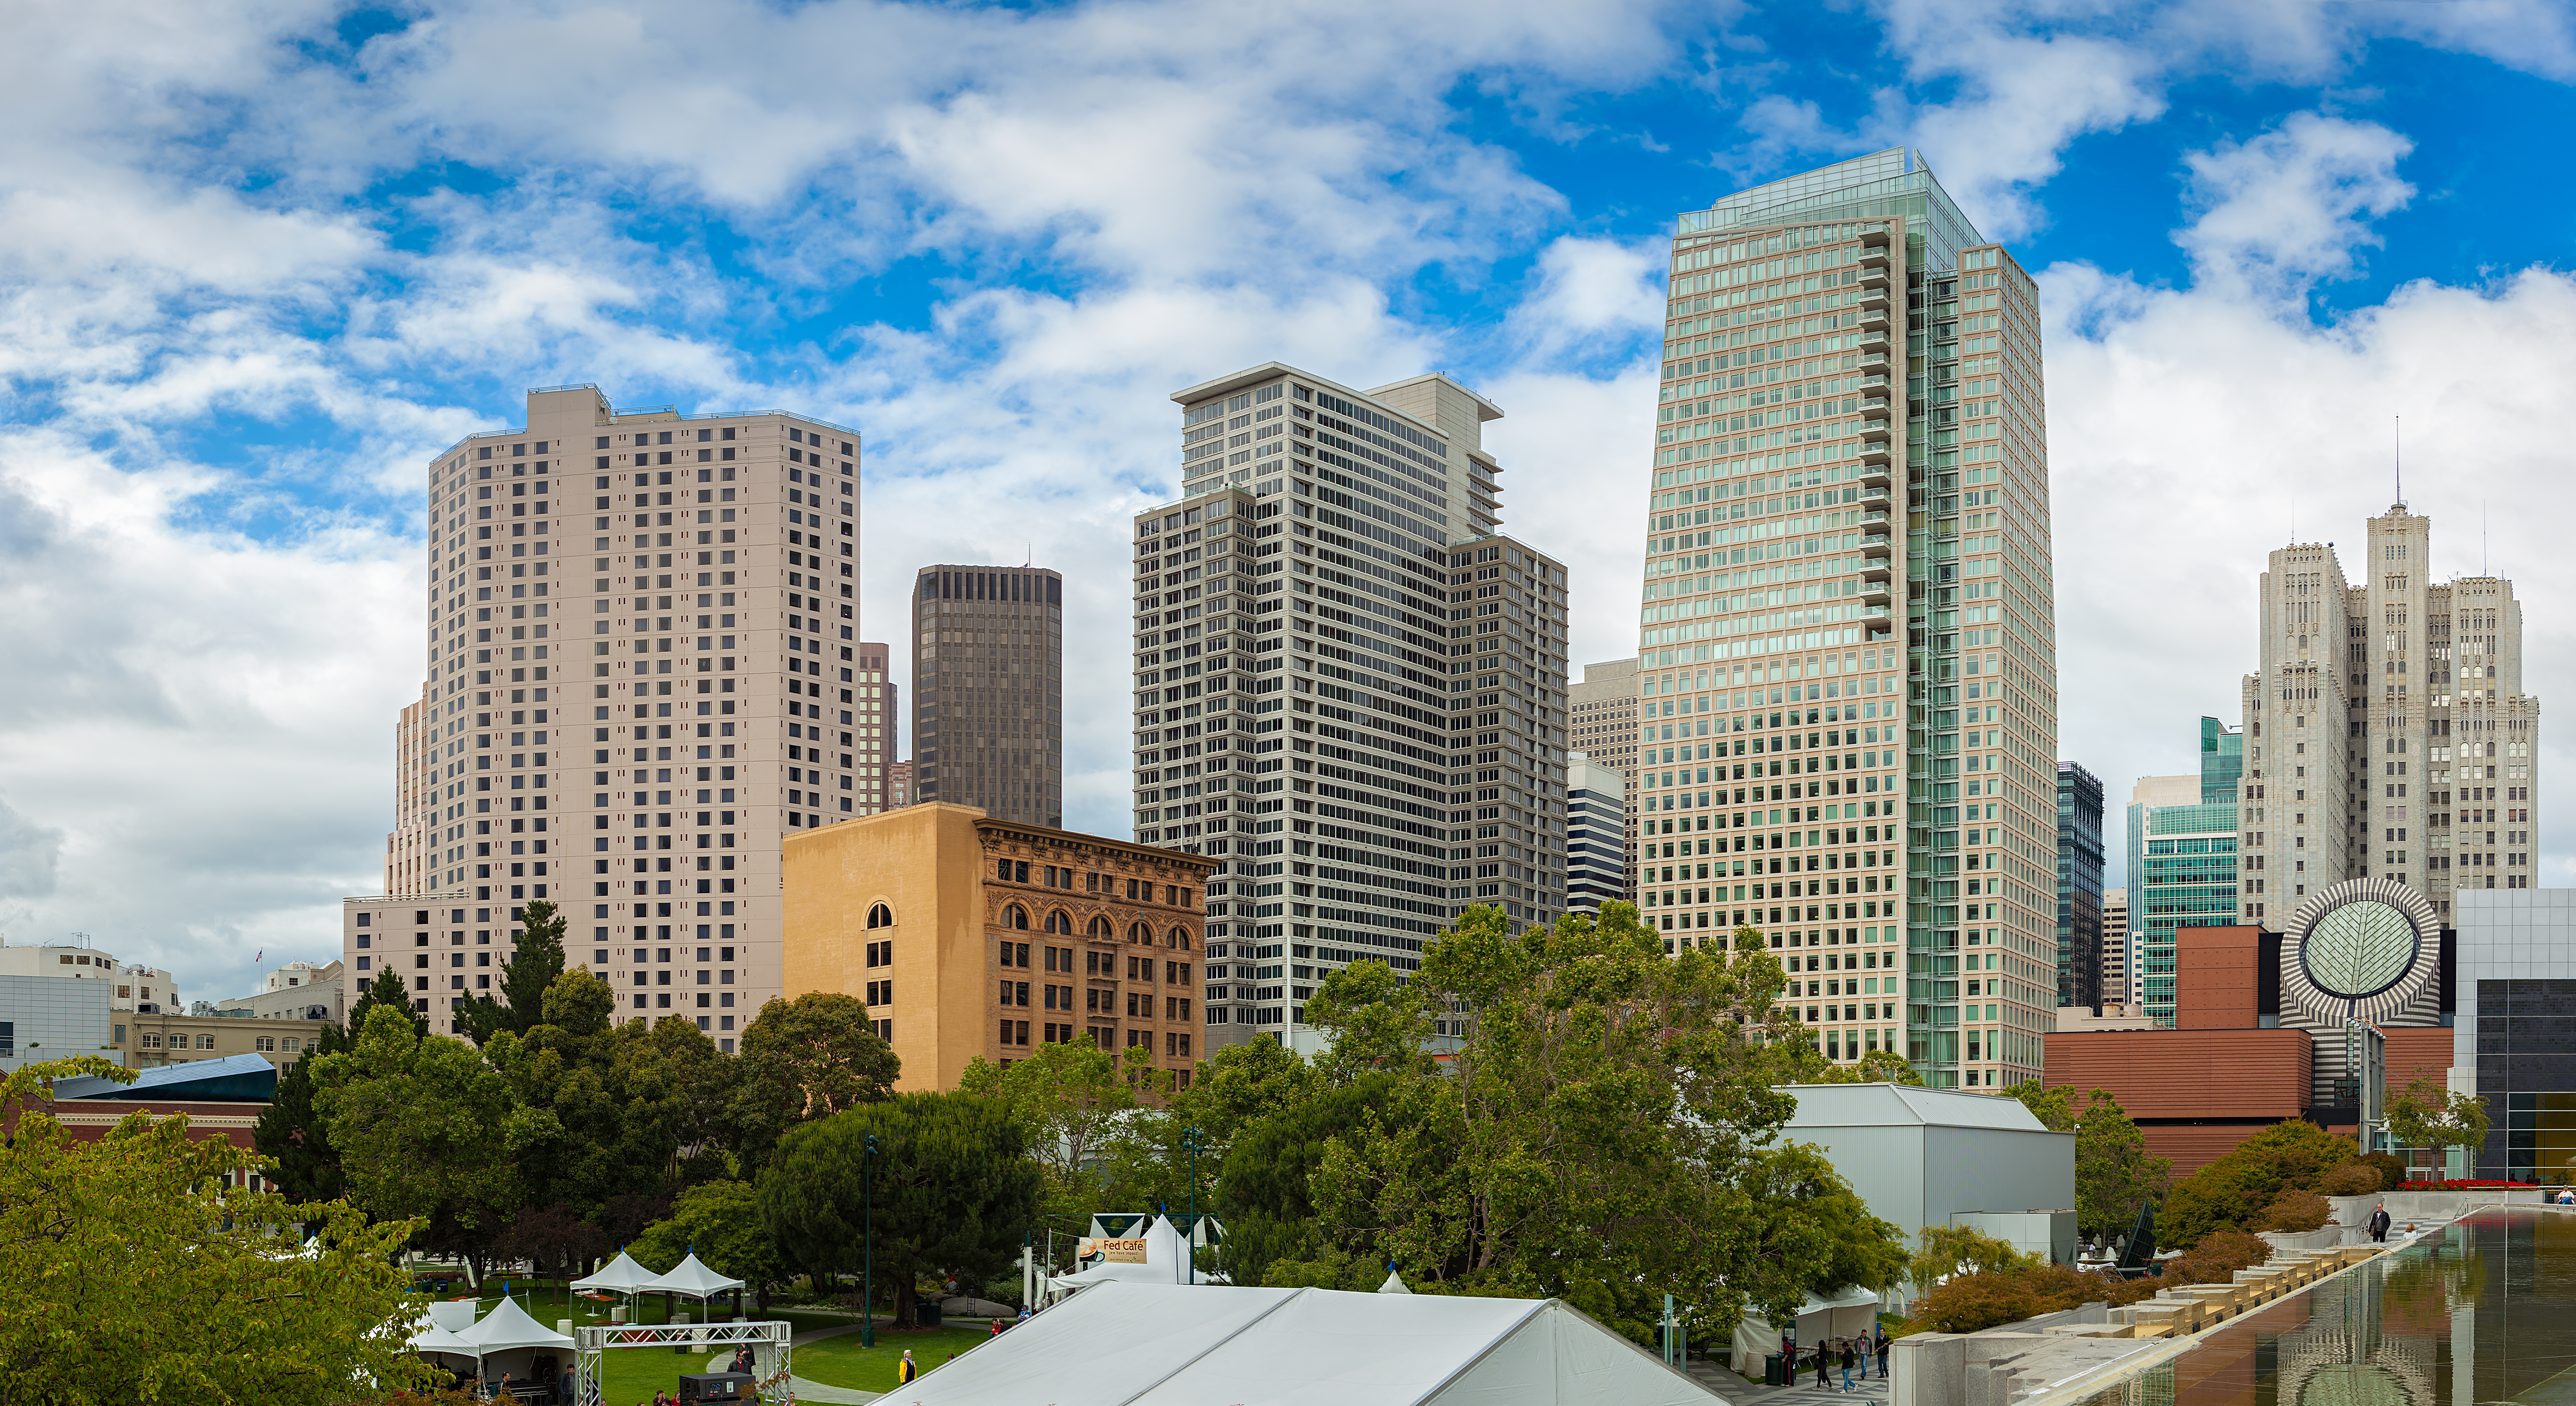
x=634, y=1374
x=842, y=1362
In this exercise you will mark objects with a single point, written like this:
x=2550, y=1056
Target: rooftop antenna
x=2397, y=456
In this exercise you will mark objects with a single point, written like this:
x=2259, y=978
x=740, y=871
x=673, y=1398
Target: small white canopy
x=621, y=1275
x=428, y=1336
x=1851, y=1312
x=1167, y=1258
x=455, y=1315
x=1182, y=1346
x=508, y=1326
x=1394, y=1283
x=691, y=1278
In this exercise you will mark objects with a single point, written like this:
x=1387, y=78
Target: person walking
x=1824, y=1362
x=1862, y=1343
x=906, y=1370
x=2379, y=1223
x=1847, y=1365
x=1882, y=1350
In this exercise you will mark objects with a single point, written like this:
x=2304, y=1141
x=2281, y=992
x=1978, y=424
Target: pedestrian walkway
x=803, y=1389
x=1719, y=1378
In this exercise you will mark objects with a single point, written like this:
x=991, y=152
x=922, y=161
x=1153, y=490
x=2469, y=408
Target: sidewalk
x=1722, y=1380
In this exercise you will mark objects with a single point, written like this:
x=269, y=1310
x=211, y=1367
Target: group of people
x=1848, y=1353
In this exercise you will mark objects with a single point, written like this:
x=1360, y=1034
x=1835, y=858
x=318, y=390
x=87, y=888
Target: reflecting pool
x=2483, y=1311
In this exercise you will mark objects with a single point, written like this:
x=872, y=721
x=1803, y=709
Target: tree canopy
x=2115, y=1174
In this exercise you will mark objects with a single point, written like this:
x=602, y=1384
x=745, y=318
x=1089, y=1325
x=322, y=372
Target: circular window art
x=2358, y=949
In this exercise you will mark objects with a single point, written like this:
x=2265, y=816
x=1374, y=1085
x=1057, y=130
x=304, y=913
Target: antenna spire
x=2397, y=456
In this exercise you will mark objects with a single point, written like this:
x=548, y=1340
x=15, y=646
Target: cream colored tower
x=644, y=673
x=2386, y=733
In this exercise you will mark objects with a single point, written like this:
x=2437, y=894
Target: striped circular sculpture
x=2362, y=950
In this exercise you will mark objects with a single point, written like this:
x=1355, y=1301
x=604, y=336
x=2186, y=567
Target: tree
x=136, y=1273
x=426, y=1130
x=2114, y=1172
x=290, y=1132
x=954, y=1188
x=719, y=1222
x=1606, y=1133
x=2231, y=1193
x=1875, y=1067
x=386, y=990
x=1071, y=1098
x=536, y=959
x=2428, y=1114
x=801, y=1060
x=1949, y=1250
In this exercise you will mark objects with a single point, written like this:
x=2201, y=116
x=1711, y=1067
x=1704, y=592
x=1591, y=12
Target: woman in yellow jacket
x=907, y=1369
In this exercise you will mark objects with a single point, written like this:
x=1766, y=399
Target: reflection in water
x=2482, y=1312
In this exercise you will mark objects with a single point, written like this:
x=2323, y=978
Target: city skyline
x=235, y=350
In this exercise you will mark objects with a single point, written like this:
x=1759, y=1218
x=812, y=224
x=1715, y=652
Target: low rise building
x=295, y=991
x=44, y=1017
x=131, y=985
x=969, y=936
x=153, y=1041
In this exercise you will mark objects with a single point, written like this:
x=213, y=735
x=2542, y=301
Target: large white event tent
x=1167, y=1258
x=507, y=1328
x=691, y=1279
x=621, y=1275
x=1180, y=1345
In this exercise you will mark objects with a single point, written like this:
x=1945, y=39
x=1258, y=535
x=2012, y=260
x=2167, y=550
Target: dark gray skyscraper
x=2079, y=887
x=988, y=690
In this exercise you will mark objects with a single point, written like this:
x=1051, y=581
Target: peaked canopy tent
x=621, y=1275
x=1167, y=1258
x=690, y=1278
x=1848, y=1314
x=1186, y=1346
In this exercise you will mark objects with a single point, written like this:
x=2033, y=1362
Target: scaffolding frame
x=767, y=1339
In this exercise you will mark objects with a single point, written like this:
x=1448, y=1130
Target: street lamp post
x=868, y=1242
x=1191, y=1142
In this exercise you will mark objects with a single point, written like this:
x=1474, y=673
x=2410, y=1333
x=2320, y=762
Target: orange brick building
x=969, y=936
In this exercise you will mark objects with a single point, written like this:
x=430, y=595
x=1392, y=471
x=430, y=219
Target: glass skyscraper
x=1848, y=698
x=2182, y=861
x=2079, y=887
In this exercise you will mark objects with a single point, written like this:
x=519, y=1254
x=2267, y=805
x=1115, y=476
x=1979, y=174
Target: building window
x=880, y=916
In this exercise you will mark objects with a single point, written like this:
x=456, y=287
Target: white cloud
x=2289, y=208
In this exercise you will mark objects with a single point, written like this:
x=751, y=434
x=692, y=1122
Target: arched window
x=1016, y=916
x=1181, y=938
x=880, y=916
x=1100, y=928
x=1141, y=933
x=1059, y=921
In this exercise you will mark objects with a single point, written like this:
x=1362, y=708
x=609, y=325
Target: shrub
x=2063, y=1286
x=2233, y=1192
x=1968, y=1302
x=2392, y=1172
x=2354, y=1178
x=2295, y=1210
x=2216, y=1258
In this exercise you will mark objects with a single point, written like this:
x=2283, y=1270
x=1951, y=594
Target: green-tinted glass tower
x=1847, y=677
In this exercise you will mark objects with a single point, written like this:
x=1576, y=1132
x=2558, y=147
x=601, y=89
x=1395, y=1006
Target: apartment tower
x=1602, y=711
x=988, y=690
x=2117, y=989
x=1350, y=688
x=2079, y=887
x=2391, y=720
x=642, y=633
x=1596, y=834
x=1863, y=787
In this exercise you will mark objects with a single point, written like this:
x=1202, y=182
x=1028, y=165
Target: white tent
x=690, y=1278
x=455, y=1315
x=429, y=1336
x=1847, y=1314
x=621, y=1275
x=1167, y=1258
x=1183, y=1346
x=508, y=1326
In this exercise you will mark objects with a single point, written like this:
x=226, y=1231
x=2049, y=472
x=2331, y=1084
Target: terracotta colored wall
x=2215, y=977
x=2421, y=1049
x=87, y=1120
x=2260, y=1074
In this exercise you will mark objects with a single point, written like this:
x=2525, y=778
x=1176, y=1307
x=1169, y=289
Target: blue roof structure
x=241, y=1078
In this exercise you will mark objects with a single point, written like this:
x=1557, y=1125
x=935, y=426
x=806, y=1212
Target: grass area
x=634, y=1374
x=842, y=1362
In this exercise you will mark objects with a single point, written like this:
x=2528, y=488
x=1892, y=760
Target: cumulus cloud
x=2291, y=207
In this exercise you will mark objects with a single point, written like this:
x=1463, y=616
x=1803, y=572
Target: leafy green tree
x=2115, y=1174
x=426, y=1130
x=386, y=990
x=1607, y=1132
x=136, y=1274
x=1875, y=1067
x=2428, y=1114
x=720, y=1222
x=536, y=959
x=1074, y=1099
x=290, y=1133
x=955, y=1191
x=1948, y=1250
x=802, y=1060
x=2233, y=1192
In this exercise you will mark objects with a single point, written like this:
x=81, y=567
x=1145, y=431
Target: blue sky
x=259, y=261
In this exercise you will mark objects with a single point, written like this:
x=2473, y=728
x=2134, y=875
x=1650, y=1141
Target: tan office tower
x=879, y=714
x=1877, y=799
x=988, y=690
x=2387, y=733
x=643, y=656
x=1348, y=685
x=1602, y=715
x=2115, y=948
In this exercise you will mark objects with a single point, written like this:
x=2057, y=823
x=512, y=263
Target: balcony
x=1874, y=544
x=1873, y=296
x=1879, y=576
x=1873, y=257
x=1876, y=594
x=1876, y=431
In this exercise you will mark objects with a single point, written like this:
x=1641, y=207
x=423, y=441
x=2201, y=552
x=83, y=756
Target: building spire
x=2397, y=457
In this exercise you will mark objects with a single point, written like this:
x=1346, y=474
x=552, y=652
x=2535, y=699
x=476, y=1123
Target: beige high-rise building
x=988, y=690
x=2115, y=948
x=2387, y=733
x=1601, y=718
x=644, y=672
x=1349, y=687
x=1848, y=696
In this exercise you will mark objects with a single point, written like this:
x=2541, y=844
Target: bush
x=2216, y=1258
x=2354, y=1178
x=2063, y=1286
x=2392, y=1172
x=1968, y=1302
x=2235, y=1191
x=2295, y=1210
